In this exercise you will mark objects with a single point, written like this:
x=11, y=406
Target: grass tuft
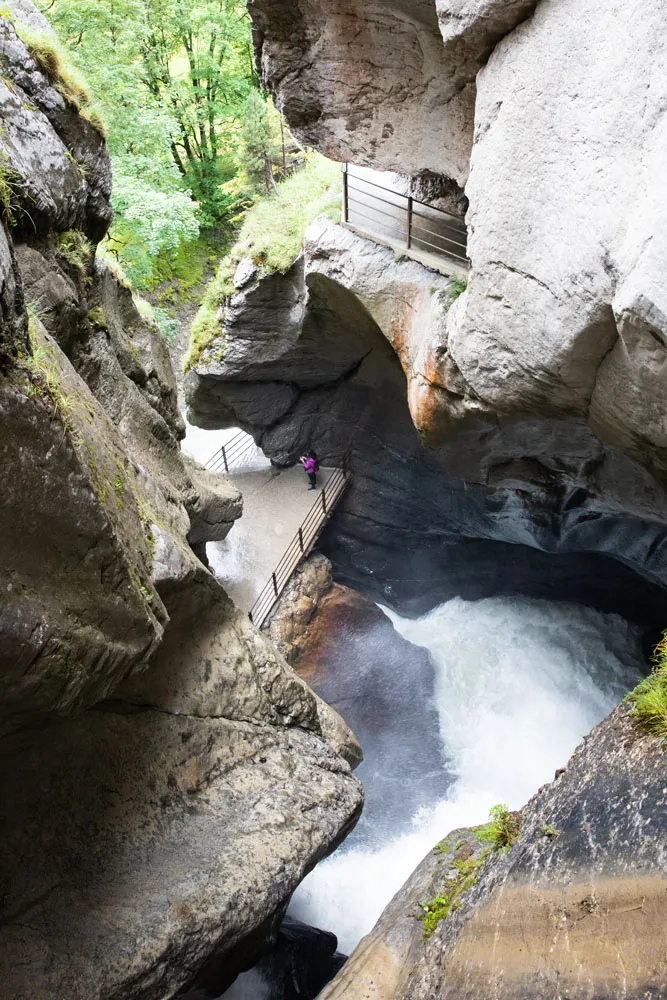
x=272, y=236
x=9, y=181
x=75, y=248
x=649, y=698
x=456, y=288
x=502, y=830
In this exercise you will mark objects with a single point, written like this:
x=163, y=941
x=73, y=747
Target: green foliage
x=466, y=871
x=272, y=236
x=503, y=829
x=76, y=249
x=456, y=288
x=273, y=230
x=649, y=698
x=499, y=833
x=258, y=142
x=8, y=184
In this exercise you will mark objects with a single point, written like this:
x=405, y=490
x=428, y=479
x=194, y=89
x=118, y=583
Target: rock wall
x=539, y=387
x=167, y=780
x=338, y=353
x=574, y=908
x=564, y=314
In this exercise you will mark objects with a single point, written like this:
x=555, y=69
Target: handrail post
x=346, y=206
x=409, y=221
x=301, y=541
x=324, y=499
x=275, y=584
x=224, y=458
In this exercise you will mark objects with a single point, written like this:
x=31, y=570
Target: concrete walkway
x=275, y=502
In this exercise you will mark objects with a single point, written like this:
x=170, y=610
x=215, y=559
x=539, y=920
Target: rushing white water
x=518, y=684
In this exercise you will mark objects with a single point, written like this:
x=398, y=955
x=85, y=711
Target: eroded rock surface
x=349, y=652
x=354, y=338
x=576, y=907
x=167, y=780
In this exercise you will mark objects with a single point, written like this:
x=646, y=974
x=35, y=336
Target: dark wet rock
x=345, y=647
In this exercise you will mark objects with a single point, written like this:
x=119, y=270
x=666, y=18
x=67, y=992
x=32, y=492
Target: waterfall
x=518, y=683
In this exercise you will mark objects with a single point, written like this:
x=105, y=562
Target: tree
x=195, y=60
x=258, y=142
x=172, y=78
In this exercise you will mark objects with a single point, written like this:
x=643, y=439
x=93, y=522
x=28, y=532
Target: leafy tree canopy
x=172, y=79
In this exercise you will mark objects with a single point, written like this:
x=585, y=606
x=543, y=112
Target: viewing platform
x=374, y=207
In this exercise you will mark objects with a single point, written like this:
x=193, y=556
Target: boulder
x=287, y=627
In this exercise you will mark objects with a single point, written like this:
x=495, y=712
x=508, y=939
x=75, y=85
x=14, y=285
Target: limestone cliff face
x=339, y=353
x=567, y=232
x=167, y=780
x=374, y=83
x=548, y=369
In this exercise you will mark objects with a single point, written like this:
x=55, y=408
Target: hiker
x=310, y=464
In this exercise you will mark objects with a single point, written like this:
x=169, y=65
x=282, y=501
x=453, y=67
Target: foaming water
x=518, y=684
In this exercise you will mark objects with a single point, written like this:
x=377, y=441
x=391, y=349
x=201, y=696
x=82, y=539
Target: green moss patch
x=272, y=236
x=498, y=834
x=465, y=872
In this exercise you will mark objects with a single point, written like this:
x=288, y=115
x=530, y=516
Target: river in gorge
x=516, y=684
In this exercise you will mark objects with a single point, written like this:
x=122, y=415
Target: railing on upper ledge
x=302, y=543
x=429, y=234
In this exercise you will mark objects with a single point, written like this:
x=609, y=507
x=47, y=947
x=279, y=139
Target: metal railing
x=302, y=543
x=231, y=453
x=399, y=218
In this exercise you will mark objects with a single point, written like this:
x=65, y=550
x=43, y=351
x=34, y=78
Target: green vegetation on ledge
x=503, y=829
x=649, y=698
x=466, y=870
x=55, y=63
x=272, y=236
x=499, y=834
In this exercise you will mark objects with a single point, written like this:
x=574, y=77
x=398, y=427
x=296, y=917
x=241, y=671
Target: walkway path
x=275, y=502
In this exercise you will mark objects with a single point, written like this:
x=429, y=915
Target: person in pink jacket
x=310, y=463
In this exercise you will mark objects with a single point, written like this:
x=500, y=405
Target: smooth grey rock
x=483, y=492
x=366, y=84
x=245, y=272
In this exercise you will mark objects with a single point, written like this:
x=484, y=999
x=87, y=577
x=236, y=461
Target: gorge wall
x=167, y=780
x=535, y=417
x=510, y=438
